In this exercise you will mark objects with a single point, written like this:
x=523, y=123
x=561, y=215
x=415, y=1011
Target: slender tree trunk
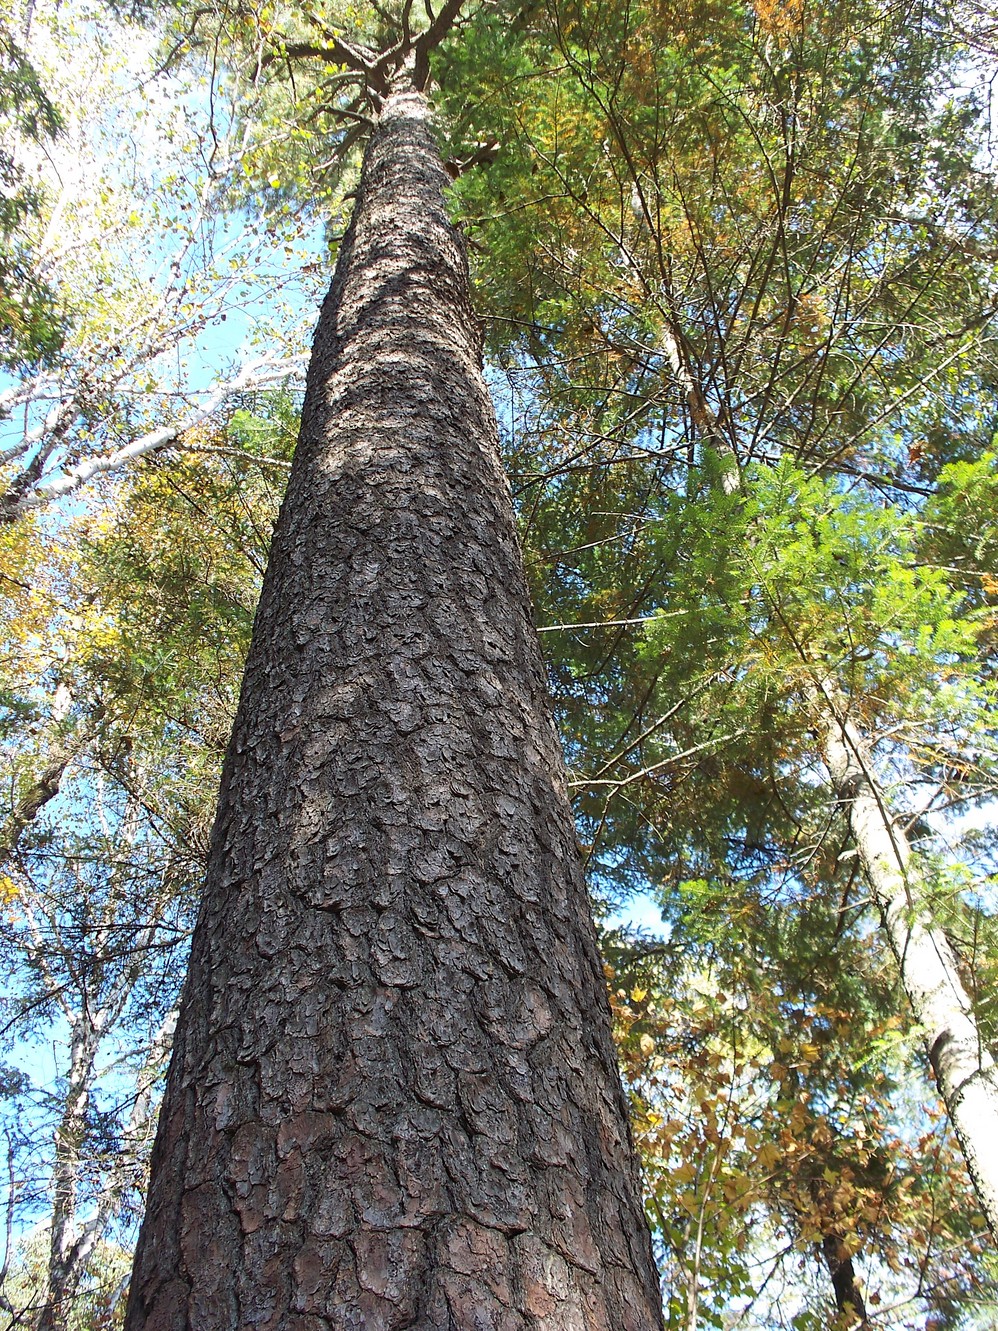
x=964, y=1070
x=966, y=1074
x=705, y=421
x=849, y=1303
x=72, y=1242
x=64, y=1273
x=394, y=1100
x=44, y=788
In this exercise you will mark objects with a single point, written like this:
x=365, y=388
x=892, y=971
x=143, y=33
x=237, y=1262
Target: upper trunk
x=394, y=1099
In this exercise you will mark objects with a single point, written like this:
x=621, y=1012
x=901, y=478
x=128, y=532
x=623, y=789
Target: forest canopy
x=736, y=266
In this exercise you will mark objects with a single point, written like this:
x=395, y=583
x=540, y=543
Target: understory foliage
x=736, y=264
x=29, y=317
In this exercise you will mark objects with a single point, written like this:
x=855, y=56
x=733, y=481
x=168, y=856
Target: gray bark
x=394, y=1099
x=63, y=1271
x=964, y=1069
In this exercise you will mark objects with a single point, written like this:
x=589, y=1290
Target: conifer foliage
x=735, y=266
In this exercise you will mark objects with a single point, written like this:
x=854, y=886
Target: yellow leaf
x=769, y=1154
x=639, y=995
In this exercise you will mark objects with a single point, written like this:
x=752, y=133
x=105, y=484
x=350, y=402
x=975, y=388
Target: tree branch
x=256, y=374
x=430, y=39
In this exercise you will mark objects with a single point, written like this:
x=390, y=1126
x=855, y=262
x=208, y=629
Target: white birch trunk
x=964, y=1069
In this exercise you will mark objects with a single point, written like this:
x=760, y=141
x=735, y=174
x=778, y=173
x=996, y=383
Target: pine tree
x=394, y=1098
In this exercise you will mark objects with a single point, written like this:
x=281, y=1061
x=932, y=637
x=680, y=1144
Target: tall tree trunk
x=964, y=1070
x=394, y=1100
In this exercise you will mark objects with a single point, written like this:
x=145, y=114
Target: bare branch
x=256, y=374
x=431, y=38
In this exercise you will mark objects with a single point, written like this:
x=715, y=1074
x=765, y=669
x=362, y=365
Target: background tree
x=696, y=281
x=142, y=613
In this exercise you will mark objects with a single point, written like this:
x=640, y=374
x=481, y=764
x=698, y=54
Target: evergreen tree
x=393, y=1096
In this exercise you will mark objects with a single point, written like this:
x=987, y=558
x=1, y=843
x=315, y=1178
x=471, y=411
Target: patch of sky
x=640, y=913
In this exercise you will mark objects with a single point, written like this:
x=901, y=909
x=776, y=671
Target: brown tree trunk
x=394, y=1100
x=849, y=1304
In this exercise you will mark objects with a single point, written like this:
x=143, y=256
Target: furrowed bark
x=73, y=1240
x=964, y=1069
x=394, y=1100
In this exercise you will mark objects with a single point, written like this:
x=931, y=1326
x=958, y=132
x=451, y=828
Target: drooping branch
x=45, y=786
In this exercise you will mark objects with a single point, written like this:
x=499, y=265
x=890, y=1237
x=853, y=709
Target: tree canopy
x=736, y=268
